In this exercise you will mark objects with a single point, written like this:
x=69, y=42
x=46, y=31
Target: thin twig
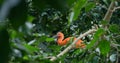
x=71, y=45
x=116, y=8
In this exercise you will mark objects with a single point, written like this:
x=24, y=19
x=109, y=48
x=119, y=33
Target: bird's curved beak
x=55, y=36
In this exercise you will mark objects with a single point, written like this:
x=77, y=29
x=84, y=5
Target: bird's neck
x=60, y=39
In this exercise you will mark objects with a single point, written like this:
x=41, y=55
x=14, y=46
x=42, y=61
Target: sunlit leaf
x=26, y=57
x=89, y=6
x=78, y=51
x=13, y=33
x=49, y=39
x=104, y=46
x=30, y=18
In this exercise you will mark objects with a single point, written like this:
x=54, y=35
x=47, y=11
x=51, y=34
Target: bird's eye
x=58, y=35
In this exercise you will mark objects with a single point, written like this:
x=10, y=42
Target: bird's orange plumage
x=61, y=41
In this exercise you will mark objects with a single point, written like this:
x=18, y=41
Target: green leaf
x=76, y=10
x=114, y=28
x=89, y=6
x=30, y=18
x=30, y=49
x=49, y=39
x=42, y=38
x=104, y=46
x=97, y=34
x=25, y=57
x=92, y=42
x=13, y=33
x=78, y=51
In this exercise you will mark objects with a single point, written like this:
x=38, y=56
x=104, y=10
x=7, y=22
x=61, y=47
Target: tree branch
x=71, y=45
x=109, y=12
x=116, y=8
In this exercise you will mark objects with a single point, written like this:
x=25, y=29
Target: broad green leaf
x=114, y=28
x=36, y=34
x=30, y=18
x=104, y=46
x=92, y=42
x=79, y=4
x=49, y=39
x=25, y=57
x=98, y=33
x=30, y=48
x=13, y=33
x=77, y=8
x=78, y=51
x=89, y=6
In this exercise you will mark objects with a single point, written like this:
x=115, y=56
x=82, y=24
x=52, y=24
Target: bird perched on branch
x=61, y=41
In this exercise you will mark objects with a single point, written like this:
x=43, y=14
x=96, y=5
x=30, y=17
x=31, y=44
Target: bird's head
x=60, y=34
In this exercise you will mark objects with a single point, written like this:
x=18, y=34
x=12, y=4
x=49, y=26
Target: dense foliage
x=28, y=27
